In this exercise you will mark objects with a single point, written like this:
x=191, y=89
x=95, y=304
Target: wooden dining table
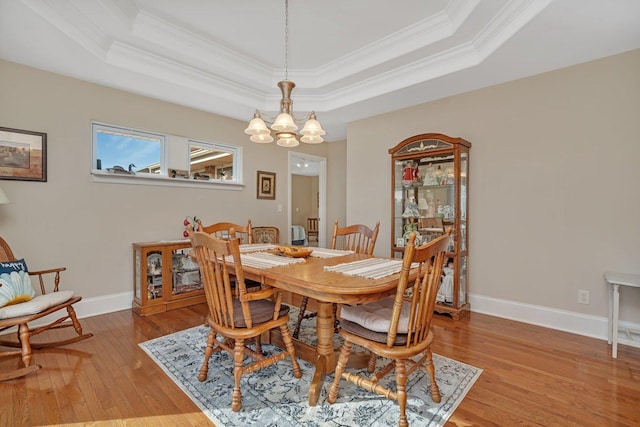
x=309, y=278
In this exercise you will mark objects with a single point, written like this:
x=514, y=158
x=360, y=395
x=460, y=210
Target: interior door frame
x=322, y=195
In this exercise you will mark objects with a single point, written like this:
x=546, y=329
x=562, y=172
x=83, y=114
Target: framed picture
x=23, y=155
x=400, y=242
x=266, y=185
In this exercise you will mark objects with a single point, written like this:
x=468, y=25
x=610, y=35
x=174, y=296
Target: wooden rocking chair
x=21, y=314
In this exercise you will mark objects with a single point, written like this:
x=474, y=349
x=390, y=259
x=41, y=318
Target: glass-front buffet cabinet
x=165, y=277
x=430, y=187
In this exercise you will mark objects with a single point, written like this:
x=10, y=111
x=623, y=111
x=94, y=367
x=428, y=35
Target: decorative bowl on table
x=291, y=251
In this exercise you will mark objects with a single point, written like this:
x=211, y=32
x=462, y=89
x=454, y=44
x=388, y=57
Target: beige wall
x=554, y=175
x=89, y=227
x=553, y=192
x=337, y=187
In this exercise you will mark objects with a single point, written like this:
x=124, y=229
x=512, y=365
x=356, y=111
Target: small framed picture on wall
x=266, y=185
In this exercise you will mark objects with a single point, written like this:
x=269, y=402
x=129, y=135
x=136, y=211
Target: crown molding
x=196, y=48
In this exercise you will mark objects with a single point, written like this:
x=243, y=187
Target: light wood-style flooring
x=532, y=376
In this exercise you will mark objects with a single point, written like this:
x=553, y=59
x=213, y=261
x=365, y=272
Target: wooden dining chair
x=266, y=234
x=312, y=229
x=238, y=319
x=221, y=231
x=20, y=306
x=358, y=238
x=403, y=334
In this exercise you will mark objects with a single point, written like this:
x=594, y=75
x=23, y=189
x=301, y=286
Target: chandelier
x=285, y=125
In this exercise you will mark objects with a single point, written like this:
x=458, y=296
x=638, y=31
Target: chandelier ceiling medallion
x=284, y=126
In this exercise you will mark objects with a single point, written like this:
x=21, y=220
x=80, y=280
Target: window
x=121, y=150
x=132, y=156
x=212, y=161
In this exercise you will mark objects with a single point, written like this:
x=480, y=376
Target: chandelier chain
x=286, y=39
x=285, y=125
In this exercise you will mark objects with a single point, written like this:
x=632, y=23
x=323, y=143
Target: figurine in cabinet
x=410, y=173
x=411, y=209
x=445, y=292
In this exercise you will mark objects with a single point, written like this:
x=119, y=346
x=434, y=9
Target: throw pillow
x=15, y=283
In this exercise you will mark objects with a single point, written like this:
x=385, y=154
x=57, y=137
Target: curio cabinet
x=430, y=192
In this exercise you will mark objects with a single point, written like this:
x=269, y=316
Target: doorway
x=307, y=193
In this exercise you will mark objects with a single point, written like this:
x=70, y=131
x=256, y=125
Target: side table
x=615, y=280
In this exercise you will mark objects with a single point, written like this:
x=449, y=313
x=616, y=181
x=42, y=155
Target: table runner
x=373, y=268
x=263, y=260
x=328, y=253
x=256, y=247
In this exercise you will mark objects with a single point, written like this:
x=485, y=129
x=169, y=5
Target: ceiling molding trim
x=243, y=87
x=417, y=36
x=459, y=11
x=511, y=19
x=448, y=62
x=56, y=13
x=156, y=30
x=143, y=62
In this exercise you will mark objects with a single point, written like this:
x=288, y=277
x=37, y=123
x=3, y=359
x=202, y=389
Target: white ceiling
x=350, y=59
x=299, y=165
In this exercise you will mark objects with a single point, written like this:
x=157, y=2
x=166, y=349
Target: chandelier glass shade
x=285, y=126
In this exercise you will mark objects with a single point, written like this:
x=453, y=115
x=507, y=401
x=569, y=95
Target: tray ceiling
x=349, y=59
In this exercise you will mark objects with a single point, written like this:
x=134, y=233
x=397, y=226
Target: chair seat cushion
x=261, y=312
x=15, y=283
x=376, y=316
x=36, y=305
x=381, y=337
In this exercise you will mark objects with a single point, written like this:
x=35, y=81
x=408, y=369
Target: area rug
x=273, y=397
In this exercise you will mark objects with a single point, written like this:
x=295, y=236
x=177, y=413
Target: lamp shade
x=287, y=142
x=261, y=139
x=312, y=127
x=422, y=204
x=312, y=139
x=3, y=197
x=257, y=127
x=284, y=123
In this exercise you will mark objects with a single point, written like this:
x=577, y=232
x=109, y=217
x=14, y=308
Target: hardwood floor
x=532, y=376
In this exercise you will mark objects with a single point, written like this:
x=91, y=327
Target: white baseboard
x=96, y=306
x=562, y=320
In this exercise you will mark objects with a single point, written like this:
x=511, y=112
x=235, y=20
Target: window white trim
x=167, y=157
x=102, y=176
x=235, y=151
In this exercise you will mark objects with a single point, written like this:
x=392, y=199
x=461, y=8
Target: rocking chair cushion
x=376, y=316
x=15, y=283
x=36, y=305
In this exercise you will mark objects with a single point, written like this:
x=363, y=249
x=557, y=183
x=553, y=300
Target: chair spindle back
x=358, y=238
x=216, y=276
x=221, y=231
x=431, y=258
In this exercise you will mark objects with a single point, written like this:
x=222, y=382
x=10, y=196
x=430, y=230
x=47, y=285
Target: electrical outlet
x=583, y=296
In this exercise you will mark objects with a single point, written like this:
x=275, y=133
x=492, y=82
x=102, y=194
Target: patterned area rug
x=273, y=397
